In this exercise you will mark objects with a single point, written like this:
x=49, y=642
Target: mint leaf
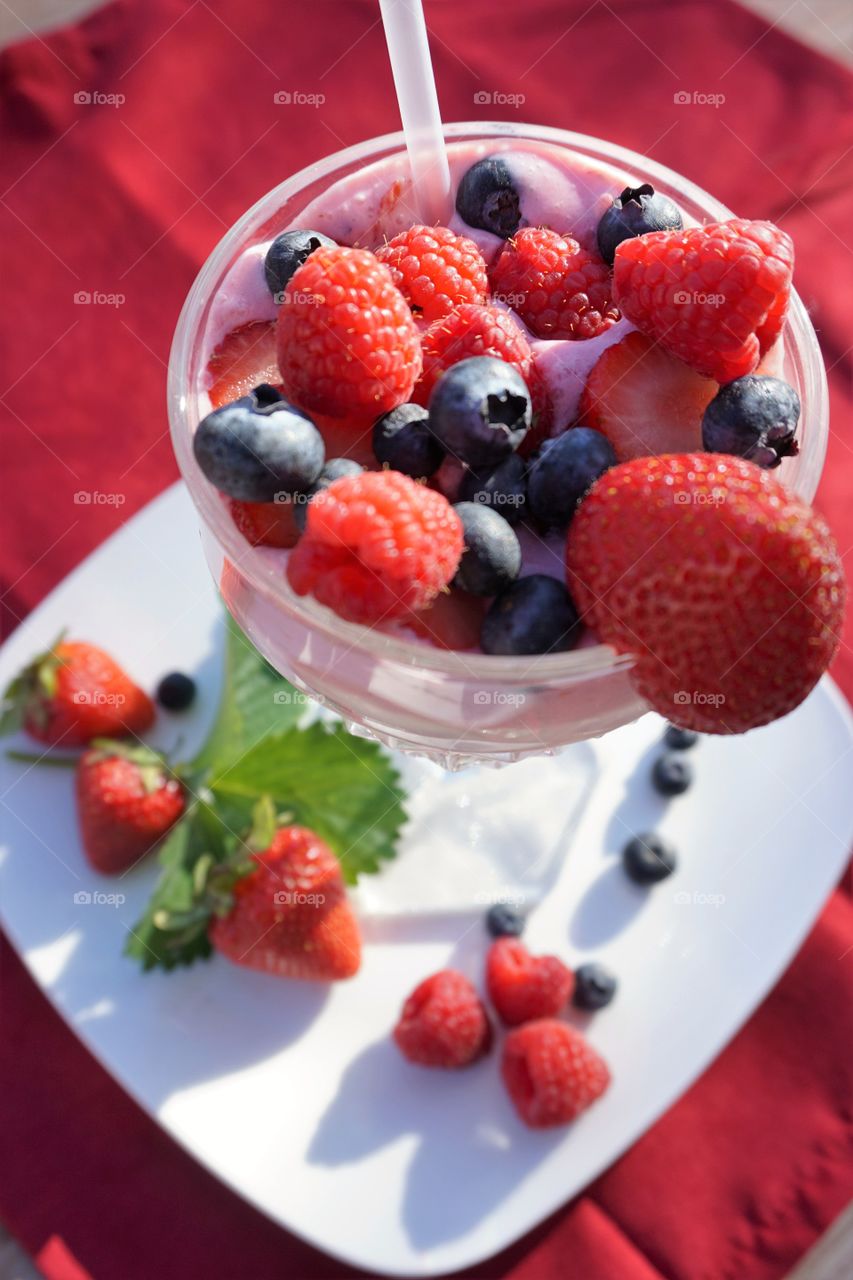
x=255, y=701
x=342, y=787
x=173, y=930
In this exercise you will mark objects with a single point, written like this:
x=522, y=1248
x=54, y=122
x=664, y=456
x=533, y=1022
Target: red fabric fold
x=127, y=197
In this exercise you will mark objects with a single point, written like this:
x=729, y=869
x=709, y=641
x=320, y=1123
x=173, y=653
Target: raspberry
x=443, y=1023
x=542, y=427
x=728, y=590
x=435, y=269
x=522, y=986
x=375, y=546
x=347, y=342
x=715, y=296
x=551, y=1073
x=266, y=524
x=559, y=289
x=470, y=330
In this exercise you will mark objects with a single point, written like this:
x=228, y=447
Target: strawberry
x=645, y=400
x=454, y=620
x=728, y=589
x=522, y=986
x=443, y=1023
x=715, y=296
x=266, y=524
x=126, y=802
x=244, y=359
x=551, y=1073
x=73, y=693
x=290, y=916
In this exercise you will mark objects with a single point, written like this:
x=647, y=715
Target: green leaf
x=255, y=701
x=173, y=930
x=342, y=787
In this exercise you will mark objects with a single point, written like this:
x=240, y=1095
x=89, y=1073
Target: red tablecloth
x=126, y=197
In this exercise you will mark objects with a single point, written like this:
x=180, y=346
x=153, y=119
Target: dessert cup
x=456, y=708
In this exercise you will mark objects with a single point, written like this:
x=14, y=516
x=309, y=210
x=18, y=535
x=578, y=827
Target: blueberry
x=335, y=469
x=488, y=198
x=480, y=410
x=635, y=212
x=563, y=471
x=679, y=739
x=534, y=615
x=755, y=418
x=403, y=440
x=672, y=774
x=648, y=858
x=288, y=252
x=595, y=986
x=504, y=921
x=256, y=448
x=491, y=560
x=504, y=489
x=176, y=691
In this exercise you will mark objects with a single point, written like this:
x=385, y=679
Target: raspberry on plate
x=557, y=288
x=435, y=269
x=715, y=296
x=347, y=341
x=470, y=330
x=443, y=1023
x=728, y=589
x=551, y=1073
x=376, y=545
x=523, y=987
x=245, y=358
x=645, y=400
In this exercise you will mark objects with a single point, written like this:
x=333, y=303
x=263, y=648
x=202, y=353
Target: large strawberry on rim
x=715, y=296
x=728, y=589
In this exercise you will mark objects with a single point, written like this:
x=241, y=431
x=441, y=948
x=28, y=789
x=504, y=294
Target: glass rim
x=579, y=663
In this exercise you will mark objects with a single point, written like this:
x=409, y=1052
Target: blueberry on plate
x=176, y=691
x=534, y=615
x=480, y=410
x=256, y=448
x=491, y=558
x=402, y=440
x=648, y=858
x=488, y=198
x=679, y=739
x=335, y=469
x=753, y=417
x=504, y=489
x=672, y=774
x=595, y=986
x=505, y=921
x=563, y=471
x=635, y=212
x=288, y=252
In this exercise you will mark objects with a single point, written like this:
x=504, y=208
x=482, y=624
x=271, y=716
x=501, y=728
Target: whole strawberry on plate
x=727, y=589
x=75, y=692
x=126, y=802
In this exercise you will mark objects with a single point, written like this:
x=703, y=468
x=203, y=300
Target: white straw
x=405, y=32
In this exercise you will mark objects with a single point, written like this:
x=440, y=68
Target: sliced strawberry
x=266, y=524
x=244, y=359
x=645, y=400
x=453, y=620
